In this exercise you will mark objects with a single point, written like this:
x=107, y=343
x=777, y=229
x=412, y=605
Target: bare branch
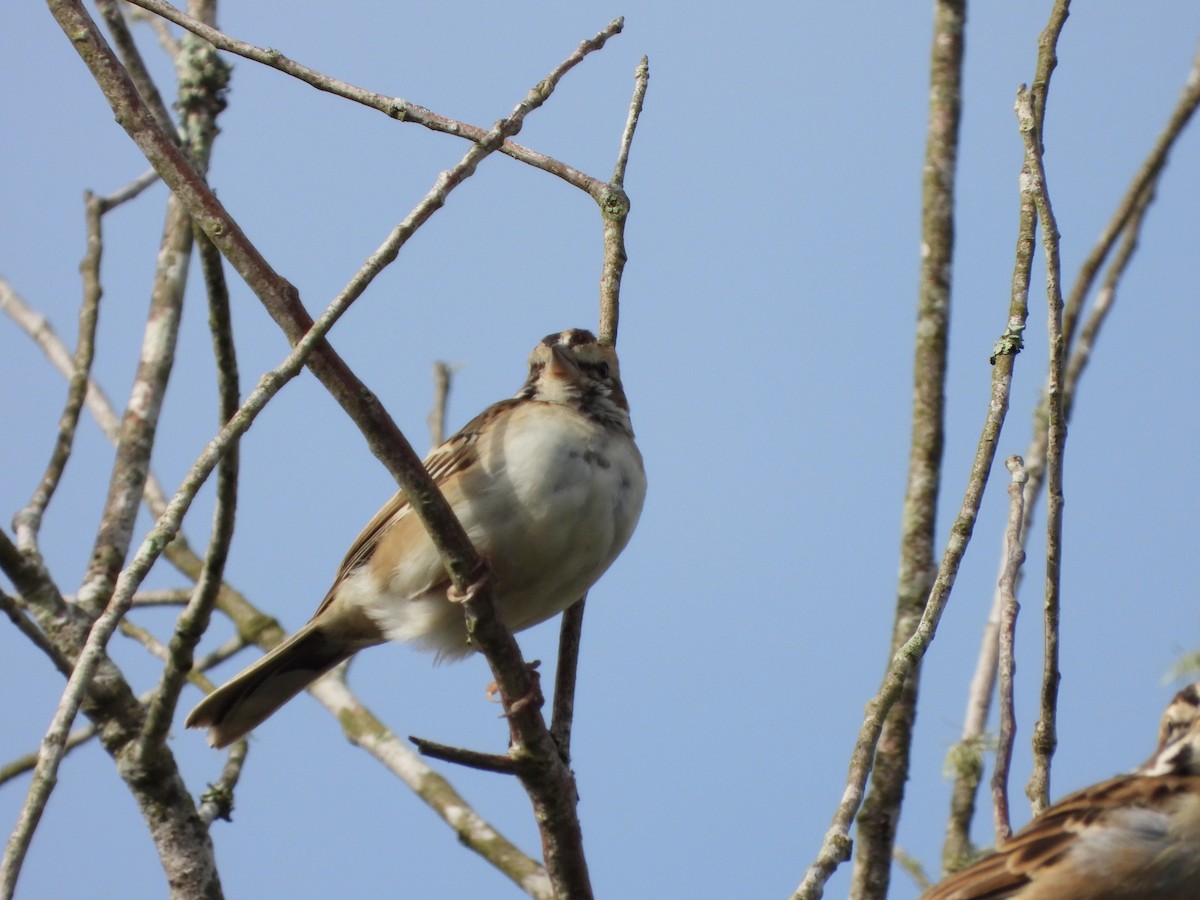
x=128, y=192
x=1126, y=221
x=1014, y=558
x=614, y=208
x=144, y=637
x=1045, y=737
x=169, y=597
x=913, y=867
x=1136, y=196
x=641, y=80
x=28, y=521
x=995, y=655
x=161, y=29
x=570, y=634
x=131, y=58
x=965, y=758
x=9, y=554
x=23, y=764
x=1081, y=352
x=38, y=592
x=227, y=650
x=184, y=849
x=442, y=373
x=880, y=813
x=39, y=329
x=471, y=759
x=217, y=801
x=393, y=107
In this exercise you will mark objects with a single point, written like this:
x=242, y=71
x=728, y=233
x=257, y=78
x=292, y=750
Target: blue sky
x=766, y=331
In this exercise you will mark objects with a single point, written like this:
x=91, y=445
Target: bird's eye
x=602, y=369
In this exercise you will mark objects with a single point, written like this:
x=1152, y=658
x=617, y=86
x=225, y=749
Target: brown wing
x=1049, y=837
x=453, y=455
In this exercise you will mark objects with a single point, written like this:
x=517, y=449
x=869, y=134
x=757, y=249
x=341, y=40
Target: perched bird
x=1135, y=837
x=549, y=487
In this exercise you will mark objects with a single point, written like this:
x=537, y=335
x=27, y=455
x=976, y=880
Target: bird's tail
x=252, y=695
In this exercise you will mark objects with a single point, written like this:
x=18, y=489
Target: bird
x=1133, y=837
x=548, y=485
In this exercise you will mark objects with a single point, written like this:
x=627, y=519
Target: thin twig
x=25, y=763
x=570, y=634
x=38, y=327
x=168, y=597
x=131, y=57
x=614, y=209
x=128, y=191
x=161, y=29
x=913, y=867
x=1007, y=588
x=442, y=373
x=393, y=107
x=1081, y=353
x=228, y=649
x=217, y=801
x=957, y=848
x=965, y=758
x=45, y=775
x=641, y=80
x=28, y=521
x=146, y=638
x=471, y=759
x=35, y=587
x=1135, y=196
x=12, y=608
x=1045, y=737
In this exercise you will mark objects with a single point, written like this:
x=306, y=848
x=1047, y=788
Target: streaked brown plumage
x=549, y=487
x=1134, y=837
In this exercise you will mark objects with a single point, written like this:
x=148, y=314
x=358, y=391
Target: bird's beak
x=562, y=364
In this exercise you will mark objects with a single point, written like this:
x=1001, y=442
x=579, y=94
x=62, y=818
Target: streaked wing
x=1048, y=838
x=453, y=455
x=459, y=451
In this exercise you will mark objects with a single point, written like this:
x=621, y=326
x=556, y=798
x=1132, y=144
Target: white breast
x=551, y=502
x=564, y=497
